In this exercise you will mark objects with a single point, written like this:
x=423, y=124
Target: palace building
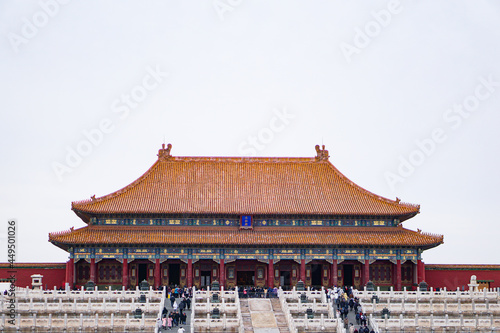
x=244, y=221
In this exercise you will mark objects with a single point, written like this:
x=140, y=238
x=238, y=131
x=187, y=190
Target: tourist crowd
x=345, y=302
x=180, y=301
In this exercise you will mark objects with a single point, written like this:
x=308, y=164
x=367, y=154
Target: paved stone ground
x=352, y=318
x=174, y=329
x=262, y=315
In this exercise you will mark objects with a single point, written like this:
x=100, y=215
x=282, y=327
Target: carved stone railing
x=286, y=311
x=490, y=294
x=162, y=305
x=57, y=311
x=37, y=322
x=24, y=294
x=202, y=308
x=432, y=310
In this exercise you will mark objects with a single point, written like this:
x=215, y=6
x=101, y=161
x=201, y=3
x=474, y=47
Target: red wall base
x=458, y=276
x=54, y=274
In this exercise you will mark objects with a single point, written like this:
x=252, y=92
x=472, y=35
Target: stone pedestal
x=473, y=285
x=300, y=286
x=36, y=281
x=144, y=285
x=215, y=285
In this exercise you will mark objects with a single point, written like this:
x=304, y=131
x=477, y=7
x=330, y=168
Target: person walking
x=164, y=322
x=158, y=323
x=175, y=306
x=176, y=318
x=182, y=306
x=181, y=330
x=172, y=299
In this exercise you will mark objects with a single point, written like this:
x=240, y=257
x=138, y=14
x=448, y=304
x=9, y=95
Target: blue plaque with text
x=246, y=221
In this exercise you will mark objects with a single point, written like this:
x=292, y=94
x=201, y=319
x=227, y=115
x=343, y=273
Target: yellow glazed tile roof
x=324, y=236
x=244, y=185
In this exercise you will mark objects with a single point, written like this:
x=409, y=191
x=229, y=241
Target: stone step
x=279, y=315
x=245, y=316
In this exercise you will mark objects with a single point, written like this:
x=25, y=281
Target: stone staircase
x=245, y=314
x=280, y=316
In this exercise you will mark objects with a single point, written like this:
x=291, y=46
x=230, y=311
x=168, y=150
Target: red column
x=420, y=271
x=398, y=276
x=335, y=273
x=190, y=273
x=366, y=274
x=92, y=270
x=157, y=273
x=270, y=274
x=70, y=266
x=303, y=270
x=125, y=273
x=423, y=271
x=222, y=275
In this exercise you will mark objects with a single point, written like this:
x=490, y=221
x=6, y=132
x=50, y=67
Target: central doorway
x=285, y=279
x=348, y=276
x=174, y=274
x=245, y=278
x=205, y=278
x=316, y=275
x=142, y=272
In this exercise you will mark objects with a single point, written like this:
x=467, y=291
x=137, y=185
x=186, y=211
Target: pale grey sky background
x=405, y=96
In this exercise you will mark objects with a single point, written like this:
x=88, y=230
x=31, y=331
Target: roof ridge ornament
x=322, y=154
x=165, y=152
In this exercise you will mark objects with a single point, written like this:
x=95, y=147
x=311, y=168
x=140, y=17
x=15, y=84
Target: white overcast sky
x=368, y=80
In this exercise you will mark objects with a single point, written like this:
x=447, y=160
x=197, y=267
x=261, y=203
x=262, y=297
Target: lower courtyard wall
x=54, y=274
x=458, y=276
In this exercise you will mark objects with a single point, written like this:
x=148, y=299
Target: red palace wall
x=53, y=274
x=453, y=276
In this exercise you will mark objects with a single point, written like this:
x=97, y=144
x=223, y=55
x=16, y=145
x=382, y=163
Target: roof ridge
x=240, y=159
